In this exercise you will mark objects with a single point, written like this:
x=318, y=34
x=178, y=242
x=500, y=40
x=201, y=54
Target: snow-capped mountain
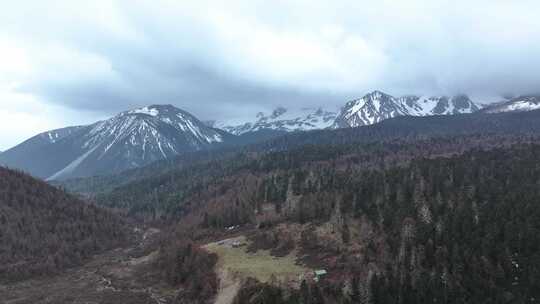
x=370, y=109
x=283, y=119
x=128, y=140
x=378, y=106
x=517, y=104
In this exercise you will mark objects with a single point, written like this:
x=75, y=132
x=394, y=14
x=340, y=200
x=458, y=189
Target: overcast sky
x=73, y=62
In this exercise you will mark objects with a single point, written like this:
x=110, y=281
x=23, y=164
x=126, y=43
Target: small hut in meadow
x=319, y=274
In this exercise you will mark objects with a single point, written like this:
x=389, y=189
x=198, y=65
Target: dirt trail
x=228, y=287
x=229, y=282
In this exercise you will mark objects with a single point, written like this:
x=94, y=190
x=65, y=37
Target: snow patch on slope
x=520, y=104
x=523, y=106
x=72, y=166
x=145, y=110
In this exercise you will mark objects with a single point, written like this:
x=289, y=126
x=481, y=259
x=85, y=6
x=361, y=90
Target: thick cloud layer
x=83, y=60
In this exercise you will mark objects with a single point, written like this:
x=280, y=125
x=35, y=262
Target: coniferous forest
x=451, y=219
x=427, y=218
x=44, y=230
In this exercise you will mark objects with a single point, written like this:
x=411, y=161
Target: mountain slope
x=284, y=120
x=152, y=184
x=378, y=106
x=44, y=229
x=363, y=211
x=128, y=140
x=517, y=104
x=44, y=153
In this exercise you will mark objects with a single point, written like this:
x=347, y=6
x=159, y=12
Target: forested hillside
x=433, y=216
x=458, y=223
x=171, y=194
x=463, y=229
x=408, y=127
x=404, y=129
x=43, y=229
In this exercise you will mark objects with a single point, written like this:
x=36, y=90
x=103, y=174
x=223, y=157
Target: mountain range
x=416, y=204
x=128, y=140
x=378, y=106
x=283, y=119
x=372, y=108
x=516, y=104
x=411, y=203
x=138, y=137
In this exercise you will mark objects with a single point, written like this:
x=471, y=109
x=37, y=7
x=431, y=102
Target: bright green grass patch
x=260, y=265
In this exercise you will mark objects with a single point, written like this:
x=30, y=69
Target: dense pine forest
x=459, y=229
x=442, y=220
x=165, y=193
x=392, y=214
x=463, y=229
x=44, y=230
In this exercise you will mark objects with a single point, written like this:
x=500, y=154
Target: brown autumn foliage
x=44, y=230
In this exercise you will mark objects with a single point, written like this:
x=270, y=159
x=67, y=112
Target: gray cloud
x=222, y=61
x=193, y=88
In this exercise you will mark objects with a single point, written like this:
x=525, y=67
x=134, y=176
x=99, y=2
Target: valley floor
x=237, y=264
x=117, y=276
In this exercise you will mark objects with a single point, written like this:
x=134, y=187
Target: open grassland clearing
x=261, y=265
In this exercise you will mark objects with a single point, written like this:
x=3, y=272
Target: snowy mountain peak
x=377, y=106
x=519, y=104
x=128, y=140
x=181, y=121
x=137, y=137
x=371, y=108
x=284, y=119
x=154, y=111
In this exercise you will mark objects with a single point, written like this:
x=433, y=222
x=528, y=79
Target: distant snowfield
x=283, y=119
